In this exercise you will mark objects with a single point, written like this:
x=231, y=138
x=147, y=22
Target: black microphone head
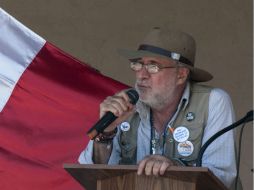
x=133, y=95
x=249, y=116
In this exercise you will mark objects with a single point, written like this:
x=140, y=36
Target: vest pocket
x=128, y=151
x=178, y=150
x=128, y=155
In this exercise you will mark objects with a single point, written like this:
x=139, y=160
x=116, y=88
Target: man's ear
x=182, y=75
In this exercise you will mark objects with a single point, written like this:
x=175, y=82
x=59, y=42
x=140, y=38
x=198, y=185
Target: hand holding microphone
x=119, y=105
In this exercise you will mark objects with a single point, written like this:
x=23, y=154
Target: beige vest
x=197, y=106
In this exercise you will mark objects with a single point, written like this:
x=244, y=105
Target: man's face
x=157, y=89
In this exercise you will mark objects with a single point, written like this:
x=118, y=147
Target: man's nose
x=143, y=73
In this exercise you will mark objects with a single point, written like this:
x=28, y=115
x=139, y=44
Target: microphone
x=247, y=118
x=109, y=117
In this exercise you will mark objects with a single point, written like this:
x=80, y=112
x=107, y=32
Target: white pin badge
x=181, y=134
x=125, y=126
x=185, y=148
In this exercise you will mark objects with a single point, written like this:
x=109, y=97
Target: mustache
x=142, y=83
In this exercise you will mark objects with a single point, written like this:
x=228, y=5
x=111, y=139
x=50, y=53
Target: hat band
x=157, y=50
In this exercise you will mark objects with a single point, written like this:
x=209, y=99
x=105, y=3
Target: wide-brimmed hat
x=165, y=43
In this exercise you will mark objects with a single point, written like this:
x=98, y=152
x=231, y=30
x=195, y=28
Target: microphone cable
x=247, y=118
x=238, y=159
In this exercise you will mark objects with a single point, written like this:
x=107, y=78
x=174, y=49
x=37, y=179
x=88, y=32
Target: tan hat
x=176, y=45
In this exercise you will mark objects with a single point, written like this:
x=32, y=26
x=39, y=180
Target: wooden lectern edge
x=131, y=167
x=171, y=171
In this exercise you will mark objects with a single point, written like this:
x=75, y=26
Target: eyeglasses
x=150, y=67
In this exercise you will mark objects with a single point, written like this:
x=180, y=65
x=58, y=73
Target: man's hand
x=154, y=165
x=119, y=105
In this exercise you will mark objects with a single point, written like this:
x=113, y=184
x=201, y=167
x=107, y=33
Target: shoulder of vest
x=199, y=88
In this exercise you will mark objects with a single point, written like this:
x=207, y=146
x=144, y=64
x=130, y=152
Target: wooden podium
x=124, y=177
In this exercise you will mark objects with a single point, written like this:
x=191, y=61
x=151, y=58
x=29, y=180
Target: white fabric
x=219, y=157
x=18, y=47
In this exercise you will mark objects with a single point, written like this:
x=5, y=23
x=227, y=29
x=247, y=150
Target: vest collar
x=186, y=96
x=144, y=112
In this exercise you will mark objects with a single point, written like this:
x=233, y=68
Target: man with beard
x=173, y=117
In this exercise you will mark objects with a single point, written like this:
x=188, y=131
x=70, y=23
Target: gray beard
x=157, y=101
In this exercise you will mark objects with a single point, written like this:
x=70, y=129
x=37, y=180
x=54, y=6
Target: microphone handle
x=102, y=124
x=109, y=117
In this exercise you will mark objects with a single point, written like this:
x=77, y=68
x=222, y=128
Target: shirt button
x=170, y=140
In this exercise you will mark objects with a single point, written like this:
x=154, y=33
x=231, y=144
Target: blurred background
x=93, y=30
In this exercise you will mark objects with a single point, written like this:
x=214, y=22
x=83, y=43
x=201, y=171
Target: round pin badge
x=190, y=116
x=185, y=148
x=181, y=134
x=125, y=126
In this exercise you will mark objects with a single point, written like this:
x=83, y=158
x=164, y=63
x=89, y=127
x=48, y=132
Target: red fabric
x=45, y=120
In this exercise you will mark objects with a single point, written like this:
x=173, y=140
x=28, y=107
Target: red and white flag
x=48, y=100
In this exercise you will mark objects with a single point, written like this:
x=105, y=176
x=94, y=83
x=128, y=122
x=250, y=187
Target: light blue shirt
x=219, y=157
